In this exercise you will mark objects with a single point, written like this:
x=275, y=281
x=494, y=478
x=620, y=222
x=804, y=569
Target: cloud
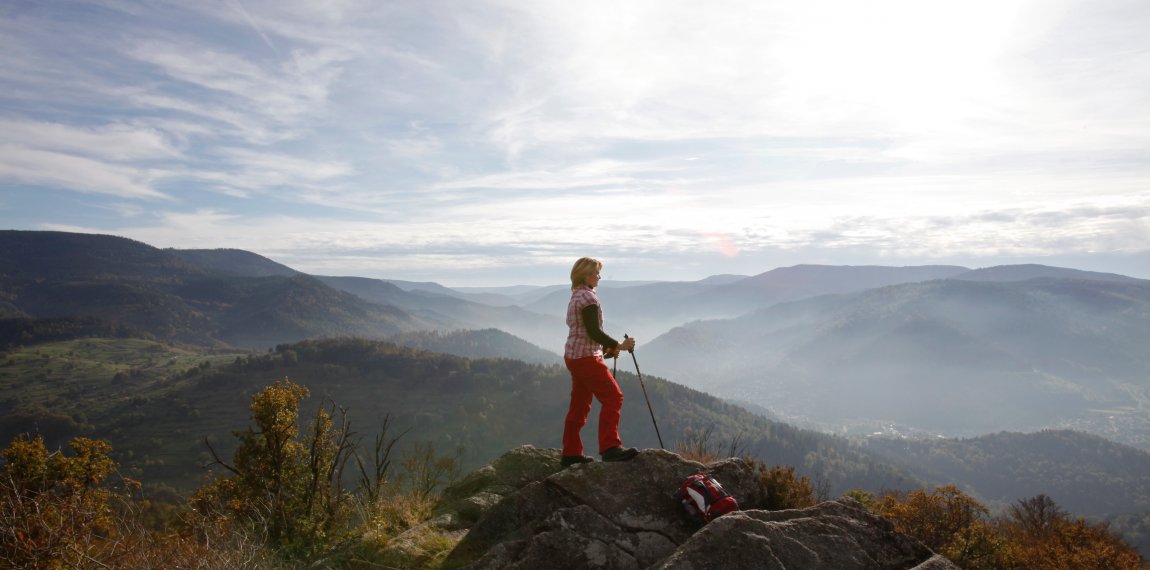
x=448, y=248
x=117, y=159
x=243, y=171
x=238, y=6
x=1011, y=233
x=904, y=73
x=45, y=168
x=114, y=141
x=282, y=94
x=411, y=131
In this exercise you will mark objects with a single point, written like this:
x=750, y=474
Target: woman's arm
x=590, y=315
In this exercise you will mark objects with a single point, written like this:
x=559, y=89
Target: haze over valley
x=158, y=349
x=930, y=350
x=890, y=250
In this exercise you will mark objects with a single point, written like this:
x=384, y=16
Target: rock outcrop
x=524, y=512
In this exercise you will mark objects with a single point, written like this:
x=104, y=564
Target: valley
x=870, y=372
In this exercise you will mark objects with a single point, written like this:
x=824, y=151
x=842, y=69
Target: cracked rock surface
x=625, y=516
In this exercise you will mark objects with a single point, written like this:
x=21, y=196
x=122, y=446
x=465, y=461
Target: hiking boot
x=619, y=453
x=569, y=460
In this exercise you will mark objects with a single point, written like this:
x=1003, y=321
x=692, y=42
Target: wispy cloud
x=246, y=172
x=283, y=95
x=116, y=141
x=407, y=134
x=116, y=159
x=33, y=168
x=238, y=6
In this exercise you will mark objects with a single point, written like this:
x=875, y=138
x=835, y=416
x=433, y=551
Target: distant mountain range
x=221, y=297
x=885, y=355
x=857, y=349
x=965, y=355
x=452, y=312
x=235, y=297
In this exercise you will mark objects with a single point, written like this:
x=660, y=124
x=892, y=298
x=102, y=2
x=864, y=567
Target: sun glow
x=915, y=65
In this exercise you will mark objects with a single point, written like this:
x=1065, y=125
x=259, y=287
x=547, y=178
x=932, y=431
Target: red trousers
x=591, y=377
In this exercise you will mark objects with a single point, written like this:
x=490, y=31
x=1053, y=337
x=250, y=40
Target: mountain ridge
x=169, y=296
x=970, y=351
x=1088, y=474
x=1045, y=343
x=984, y=324
x=234, y=262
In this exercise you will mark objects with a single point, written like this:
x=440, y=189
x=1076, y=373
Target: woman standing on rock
x=590, y=376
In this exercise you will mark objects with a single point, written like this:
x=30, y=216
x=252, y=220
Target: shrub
x=59, y=511
x=782, y=488
x=55, y=509
x=1036, y=533
x=1042, y=535
x=282, y=486
x=703, y=446
x=947, y=520
x=286, y=489
x=866, y=498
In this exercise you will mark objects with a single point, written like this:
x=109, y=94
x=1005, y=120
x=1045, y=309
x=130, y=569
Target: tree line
x=298, y=494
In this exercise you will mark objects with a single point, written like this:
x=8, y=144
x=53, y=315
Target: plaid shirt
x=579, y=343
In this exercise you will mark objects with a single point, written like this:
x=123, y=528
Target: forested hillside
x=485, y=343
x=453, y=313
x=150, y=350
x=17, y=331
x=234, y=262
x=157, y=403
x=1086, y=474
x=55, y=275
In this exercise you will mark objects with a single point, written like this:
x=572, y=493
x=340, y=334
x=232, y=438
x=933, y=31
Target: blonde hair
x=584, y=268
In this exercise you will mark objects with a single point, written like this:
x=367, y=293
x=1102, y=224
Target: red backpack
x=705, y=498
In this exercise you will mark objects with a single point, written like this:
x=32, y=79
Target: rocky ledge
x=525, y=512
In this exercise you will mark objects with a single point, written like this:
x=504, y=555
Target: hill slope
x=234, y=262
x=485, y=343
x=450, y=312
x=951, y=356
x=169, y=296
x=648, y=310
x=156, y=404
x=1006, y=273
x=1084, y=473
x=63, y=257
x=805, y=281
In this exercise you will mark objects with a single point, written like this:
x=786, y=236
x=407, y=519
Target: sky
x=493, y=142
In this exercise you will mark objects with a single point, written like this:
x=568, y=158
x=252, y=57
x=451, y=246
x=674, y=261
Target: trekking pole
x=645, y=397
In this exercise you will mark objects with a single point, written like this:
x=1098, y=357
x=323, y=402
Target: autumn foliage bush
x=283, y=486
x=287, y=487
x=281, y=502
x=56, y=510
x=60, y=510
x=1035, y=532
x=782, y=488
